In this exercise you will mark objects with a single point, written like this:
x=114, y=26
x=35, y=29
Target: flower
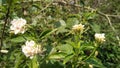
x=18, y=25
x=78, y=28
x=31, y=48
x=100, y=37
x=4, y=51
x=90, y=66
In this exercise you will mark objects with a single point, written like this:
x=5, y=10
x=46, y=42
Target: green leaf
x=0, y=2
x=18, y=39
x=36, y=6
x=71, y=43
x=68, y=58
x=47, y=33
x=35, y=62
x=72, y=21
x=61, y=30
x=18, y=60
x=95, y=27
x=89, y=15
x=86, y=47
x=44, y=33
x=59, y=55
x=60, y=23
x=4, y=1
x=66, y=48
x=95, y=62
x=22, y=38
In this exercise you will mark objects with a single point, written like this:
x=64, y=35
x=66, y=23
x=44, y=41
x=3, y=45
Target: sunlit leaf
x=59, y=55
x=65, y=48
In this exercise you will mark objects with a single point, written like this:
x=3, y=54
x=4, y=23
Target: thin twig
x=109, y=21
x=46, y=7
x=4, y=26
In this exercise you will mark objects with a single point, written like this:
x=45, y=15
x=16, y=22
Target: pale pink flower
x=31, y=48
x=18, y=25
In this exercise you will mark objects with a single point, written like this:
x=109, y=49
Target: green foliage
x=50, y=23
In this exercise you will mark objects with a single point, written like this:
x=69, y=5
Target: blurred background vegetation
x=46, y=15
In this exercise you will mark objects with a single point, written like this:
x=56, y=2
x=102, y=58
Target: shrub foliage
x=59, y=34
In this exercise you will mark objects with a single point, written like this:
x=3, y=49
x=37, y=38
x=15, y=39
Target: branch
x=110, y=23
x=107, y=17
x=46, y=6
x=4, y=26
x=114, y=15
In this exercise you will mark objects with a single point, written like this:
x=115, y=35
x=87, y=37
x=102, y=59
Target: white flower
x=4, y=51
x=90, y=66
x=18, y=25
x=31, y=48
x=100, y=37
x=78, y=27
x=30, y=43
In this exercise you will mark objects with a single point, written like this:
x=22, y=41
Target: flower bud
x=4, y=51
x=100, y=37
x=78, y=28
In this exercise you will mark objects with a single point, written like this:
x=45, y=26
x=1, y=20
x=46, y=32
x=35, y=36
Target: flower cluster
x=18, y=25
x=78, y=28
x=31, y=48
x=100, y=37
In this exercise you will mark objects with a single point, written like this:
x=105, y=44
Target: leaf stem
x=92, y=52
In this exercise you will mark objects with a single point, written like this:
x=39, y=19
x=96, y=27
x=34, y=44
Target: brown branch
x=4, y=26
